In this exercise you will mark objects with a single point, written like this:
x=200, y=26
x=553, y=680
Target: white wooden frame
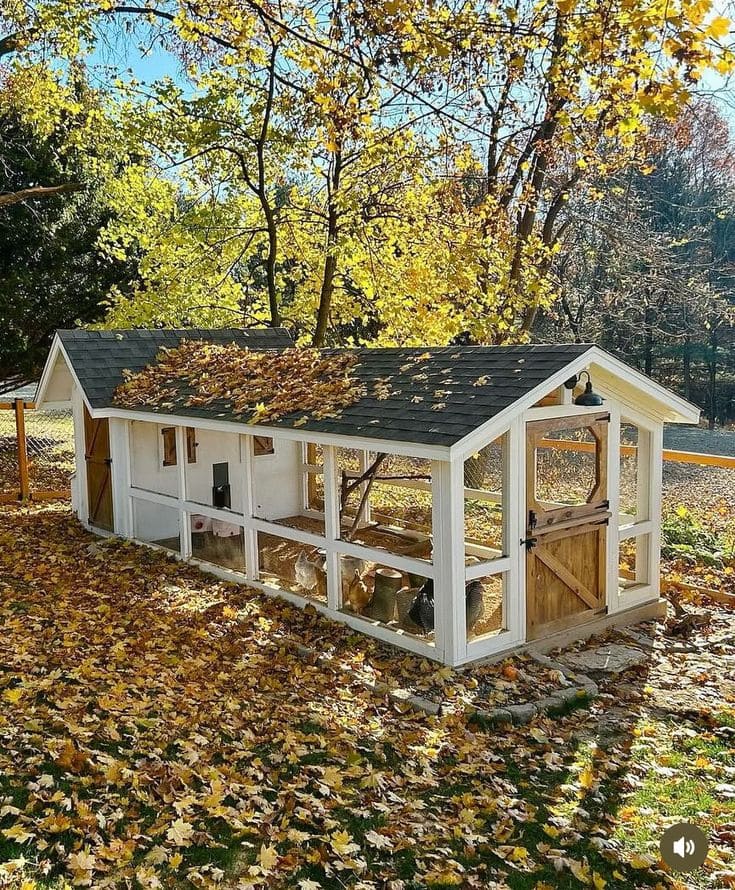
x=649, y=482
x=251, y=525
x=447, y=567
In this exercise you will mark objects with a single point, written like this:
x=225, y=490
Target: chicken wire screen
x=50, y=446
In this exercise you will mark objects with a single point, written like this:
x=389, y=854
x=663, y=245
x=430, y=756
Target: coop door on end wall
x=567, y=517
x=99, y=471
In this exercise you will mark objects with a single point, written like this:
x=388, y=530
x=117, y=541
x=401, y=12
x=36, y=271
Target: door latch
x=532, y=519
x=529, y=543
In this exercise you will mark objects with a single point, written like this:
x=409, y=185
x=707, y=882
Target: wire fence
x=36, y=452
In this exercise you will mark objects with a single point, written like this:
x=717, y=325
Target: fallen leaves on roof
x=268, y=385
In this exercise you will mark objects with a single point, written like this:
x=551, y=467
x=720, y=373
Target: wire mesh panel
x=50, y=444
x=49, y=437
x=9, y=476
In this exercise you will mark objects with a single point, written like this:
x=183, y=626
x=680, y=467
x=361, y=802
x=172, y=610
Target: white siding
x=277, y=481
x=147, y=470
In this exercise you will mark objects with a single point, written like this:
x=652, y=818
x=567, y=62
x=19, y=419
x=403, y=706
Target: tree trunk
x=270, y=220
x=687, y=368
x=648, y=341
x=330, y=260
x=270, y=264
x=713, y=378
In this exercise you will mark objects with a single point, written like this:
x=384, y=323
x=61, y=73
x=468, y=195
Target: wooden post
x=20, y=431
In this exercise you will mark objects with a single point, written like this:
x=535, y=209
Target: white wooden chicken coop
x=470, y=500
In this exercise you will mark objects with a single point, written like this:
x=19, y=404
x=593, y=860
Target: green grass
x=678, y=785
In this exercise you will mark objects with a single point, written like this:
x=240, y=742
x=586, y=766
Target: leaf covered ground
x=159, y=728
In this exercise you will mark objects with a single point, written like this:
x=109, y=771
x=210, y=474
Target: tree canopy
x=393, y=172
x=53, y=273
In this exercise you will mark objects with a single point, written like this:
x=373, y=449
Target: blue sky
x=149, y=62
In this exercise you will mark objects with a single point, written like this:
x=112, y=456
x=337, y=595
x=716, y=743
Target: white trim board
x=408, y=449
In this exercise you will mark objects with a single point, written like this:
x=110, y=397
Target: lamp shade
x=589, y=397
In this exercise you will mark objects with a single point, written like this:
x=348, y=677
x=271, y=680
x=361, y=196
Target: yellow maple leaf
x=81, y=861
x=342, y=844
x=332, y=777
x=180, y=832
x=580, y=870
x=267, y=857
x=13, y=695
x=718, y=27
x=18, y=833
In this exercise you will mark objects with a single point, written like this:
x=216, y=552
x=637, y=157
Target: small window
x=263, y=445
x=169, y=446
x=191, y=445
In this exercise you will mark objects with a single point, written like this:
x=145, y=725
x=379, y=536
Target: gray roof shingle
x=100, y=357
x=478, y=382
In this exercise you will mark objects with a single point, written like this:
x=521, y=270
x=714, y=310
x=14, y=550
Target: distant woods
x=648, y=271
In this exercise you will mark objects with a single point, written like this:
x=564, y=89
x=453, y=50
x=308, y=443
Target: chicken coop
x=457, y=502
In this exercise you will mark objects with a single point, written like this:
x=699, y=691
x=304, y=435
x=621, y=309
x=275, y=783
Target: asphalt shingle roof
x=472, y=383
x=100, y=357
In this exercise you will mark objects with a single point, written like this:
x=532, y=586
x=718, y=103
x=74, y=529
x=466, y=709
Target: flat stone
x=522, y=713
x=416, y=702
x=496, y=716
x=546, y=704
x=612, y=658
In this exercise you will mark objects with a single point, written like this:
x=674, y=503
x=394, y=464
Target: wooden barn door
x=567, y=510
x=99, y=471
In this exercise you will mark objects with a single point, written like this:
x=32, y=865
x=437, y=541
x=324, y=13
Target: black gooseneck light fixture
x=589, y=397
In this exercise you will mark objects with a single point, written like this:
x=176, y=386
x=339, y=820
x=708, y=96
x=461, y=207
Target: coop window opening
x=400, y=602
x=486, y=479
x=263, y=445
x=157, y=523
x=385, y=501
x=567, y=466
x=635, y=449
x=169, y=456
x=217, y=541
x=634, y=563
x=312, y=478
x=292, y=566
x=486, y=607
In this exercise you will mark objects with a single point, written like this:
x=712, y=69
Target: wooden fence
x=682, y=457
x=25, y=486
